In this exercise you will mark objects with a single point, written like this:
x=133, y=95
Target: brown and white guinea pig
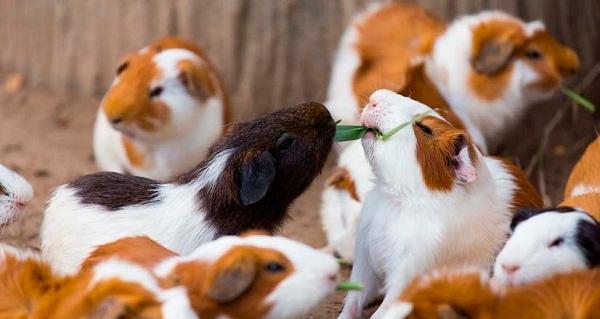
x=545, y=242
x=483, y=69
x=251, y=176
x=111, y=289
x=15, y=194
x=162, y=112
x=570, y=295
x=583, y=187
x=437, y=201
x=348, y=185
x=253, y=276
x=446, y=294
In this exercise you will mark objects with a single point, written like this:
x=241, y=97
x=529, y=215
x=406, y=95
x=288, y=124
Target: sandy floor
x=47, y=138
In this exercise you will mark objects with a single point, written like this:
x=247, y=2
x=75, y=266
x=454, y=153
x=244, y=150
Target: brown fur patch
x=587, y=170
x=525, y=196
x=436, y=151
x=451, y=295
x=342, y=180
x=589, y=202
x=571, y=295
x=140, y=250
x=200, y=278
x=388, y=40
x=135, y=157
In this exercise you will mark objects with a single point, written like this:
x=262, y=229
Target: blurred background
x=57, y=58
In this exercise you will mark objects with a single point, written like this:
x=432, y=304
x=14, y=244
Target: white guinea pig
x=253, y=276
x=545, y=242
x=164, y=109
x=15, y=193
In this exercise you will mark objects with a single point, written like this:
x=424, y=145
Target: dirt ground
x=47, y=138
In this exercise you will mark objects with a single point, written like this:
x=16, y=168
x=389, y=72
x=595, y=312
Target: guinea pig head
x=511, y=56
x=261, y=166
x=254, y=277
x=15, y=193
x=429, y=154
x=162, y=90
x=545, y=242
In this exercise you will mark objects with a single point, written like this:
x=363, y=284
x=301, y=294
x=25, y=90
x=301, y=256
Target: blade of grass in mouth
x=348, y=285
x=577, y=98
x=345, y=133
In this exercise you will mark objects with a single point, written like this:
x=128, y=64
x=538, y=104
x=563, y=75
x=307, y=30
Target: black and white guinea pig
x=548, y=241
x=251, y=176
x=15, y=193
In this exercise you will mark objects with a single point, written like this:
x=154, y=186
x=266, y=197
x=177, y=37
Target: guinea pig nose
x=510, y=269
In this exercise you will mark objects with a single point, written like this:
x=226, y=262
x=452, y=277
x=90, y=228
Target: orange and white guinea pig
x=164, y=109
x=111, y=289
x=15, y=194
x=583, y=186
x=482, y=69
x=254, y=276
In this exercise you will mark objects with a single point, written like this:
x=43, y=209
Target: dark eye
x=285, y=142
x=3, y=190
x=557, y=242
x=533, y=54
x=424, y=128
x=274, y=267
x=122, y=67
x=156, y=91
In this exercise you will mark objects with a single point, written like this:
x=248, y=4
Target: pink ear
x=464, y=169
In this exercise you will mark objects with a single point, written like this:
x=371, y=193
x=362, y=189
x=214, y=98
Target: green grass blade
x=348, y=285
x=579, y=99
x=349, y=134
x=385, y=136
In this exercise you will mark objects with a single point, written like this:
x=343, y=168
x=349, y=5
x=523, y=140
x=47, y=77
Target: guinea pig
x=251, y=175
x=545, y=242
x=446, y=294
x=341, y=201
x=15, y=194
x=164, y=109
x=583, y=187
x=254, y=276
x=112, y=289
x=569, y=295
x=482, y=69
x=437, y=201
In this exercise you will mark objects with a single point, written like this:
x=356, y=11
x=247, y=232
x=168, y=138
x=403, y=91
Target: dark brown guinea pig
x=251, y=175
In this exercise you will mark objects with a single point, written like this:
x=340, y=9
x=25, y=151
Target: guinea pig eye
x=3, y=190
x=285, y=142
x=533, y=54
x=122, y=67
x=156, y=91
x=274, y=267
x=424, y=128
x=557, y=242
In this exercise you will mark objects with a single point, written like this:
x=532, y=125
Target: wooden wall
x=271, y=53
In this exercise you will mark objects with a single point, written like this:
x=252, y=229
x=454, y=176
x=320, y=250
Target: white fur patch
x=582, y=189
x=399, y=310
x=18, y=253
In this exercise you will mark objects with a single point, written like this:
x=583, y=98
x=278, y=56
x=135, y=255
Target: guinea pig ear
x=493, y=55
x=588, y=239
x=232, y=275
x=198, y=80
x=522, y=215
x=464, y=168
x=255, y=177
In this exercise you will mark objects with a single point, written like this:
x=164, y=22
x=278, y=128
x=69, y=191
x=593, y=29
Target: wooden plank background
x=271, y=53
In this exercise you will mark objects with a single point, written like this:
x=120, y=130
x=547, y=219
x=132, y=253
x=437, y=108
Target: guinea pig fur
x=251, y=175
x=437, y=201
x=568, y=295
x=15, y=194
x=341, y=201
x=112, y=289
x=253, y=276
x=583, y=187
x=482, y=70
x=545, y=242
x=446, y=294
x=162, y=112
